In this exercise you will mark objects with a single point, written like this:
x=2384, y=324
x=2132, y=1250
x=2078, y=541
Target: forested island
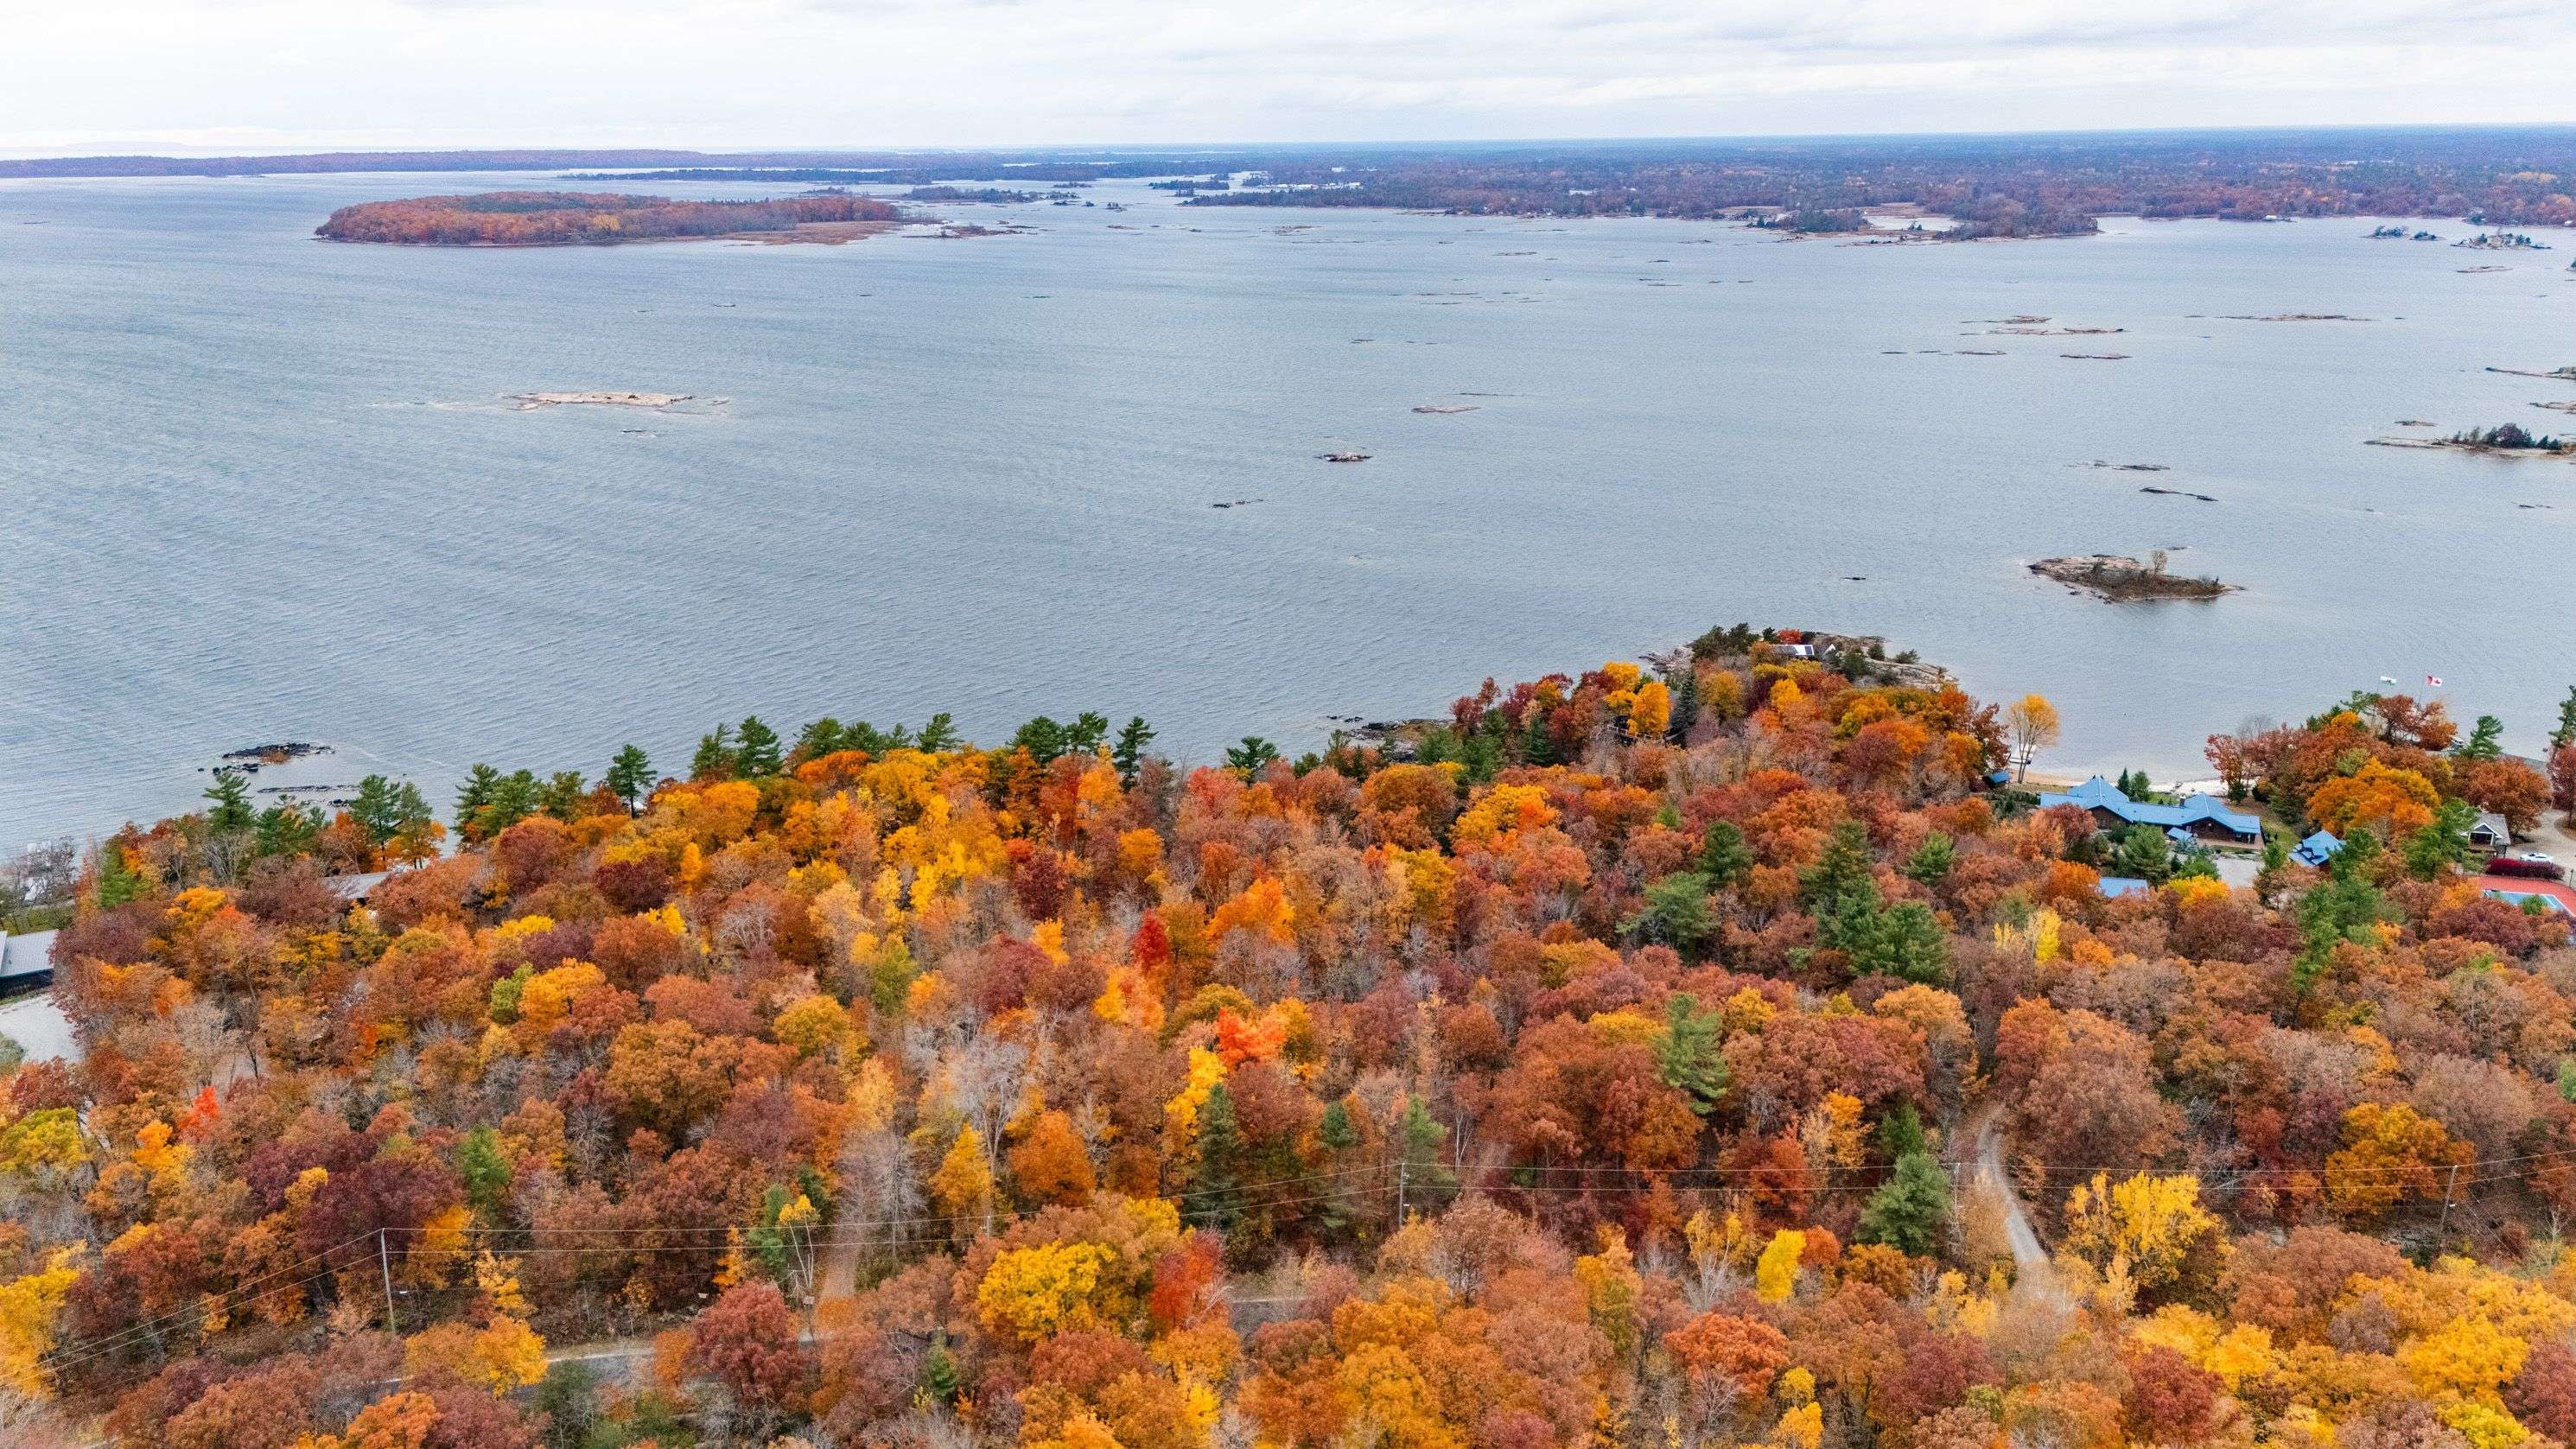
x=1703, y=1052
x=572, y=218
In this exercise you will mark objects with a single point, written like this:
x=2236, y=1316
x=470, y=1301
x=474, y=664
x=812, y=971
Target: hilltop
x=1714, y=1050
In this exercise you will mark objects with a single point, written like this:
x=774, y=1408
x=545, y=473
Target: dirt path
x=2031, y=1266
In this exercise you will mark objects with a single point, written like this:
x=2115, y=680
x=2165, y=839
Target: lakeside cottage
x=2199, y=818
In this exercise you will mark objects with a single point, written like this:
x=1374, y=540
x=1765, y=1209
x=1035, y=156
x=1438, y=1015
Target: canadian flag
x=2434, y=680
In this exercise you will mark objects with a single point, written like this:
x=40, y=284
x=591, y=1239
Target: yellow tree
x=1652, y=713
x=30, y=1310
x=2033, y=723
x=1036, y=1293
x=2147, y=1231
x=963, y=1185
x=1776, y=1273
x=2388, y=1153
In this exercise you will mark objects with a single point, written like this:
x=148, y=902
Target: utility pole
x=2448, y=1188
x=385, y=1265
x=1403, y=1166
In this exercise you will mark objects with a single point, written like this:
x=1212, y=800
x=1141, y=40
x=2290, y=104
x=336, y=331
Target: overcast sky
x=269, y=75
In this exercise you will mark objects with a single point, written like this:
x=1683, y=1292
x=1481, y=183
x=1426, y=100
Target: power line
x=853, y=1232
x=144, y=1328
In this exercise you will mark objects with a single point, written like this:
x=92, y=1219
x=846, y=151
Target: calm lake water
x=255, y=486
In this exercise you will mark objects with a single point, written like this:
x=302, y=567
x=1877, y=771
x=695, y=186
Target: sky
x=180, y=76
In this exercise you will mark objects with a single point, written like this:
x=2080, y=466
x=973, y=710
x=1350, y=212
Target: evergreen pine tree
x=378, y=811
x=1251, y=757
x=562, y=795
x=1901, y=1132
x=756, y=751
x=819, y=738
x=1421, y=1140
x=1129, y=753
x=1906, y=942
x=2274, y=870
x=1336, y=1131
x=485, y=1169
x=1841, y=874
x=939, y=1377
x=630, y=775
x=714, y=759
x=1086, y=733
x=2485, y=741
x=939, y=736
x=1684, y=684
x=1723, y=856
x=286, y=830
x=230, y=797
x=1687, y=1055
x=118, y=880
x=1215, y=1198
x=1930, y=863
x=2145, y=853
x=512, y=798
x=473, y=795
x=1676, y=913
x=1536, y=747
x=2441, y=842
x=2345, y=907
x=1908, y=1214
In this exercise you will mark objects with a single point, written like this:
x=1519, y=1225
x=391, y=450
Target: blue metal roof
x=2116, y=886
x=2100, y=794
x=2317, y=849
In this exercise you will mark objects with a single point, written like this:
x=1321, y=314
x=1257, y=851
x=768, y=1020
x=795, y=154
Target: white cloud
x=307, y=74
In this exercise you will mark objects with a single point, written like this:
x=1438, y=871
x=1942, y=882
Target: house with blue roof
x=2197, y=819
x=2115, y=886
x=2317, y=849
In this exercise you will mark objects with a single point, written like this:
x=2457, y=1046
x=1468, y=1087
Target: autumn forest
x=1726, y=1049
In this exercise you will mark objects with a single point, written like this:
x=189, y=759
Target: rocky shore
x=531, y=401
x=2122, y=579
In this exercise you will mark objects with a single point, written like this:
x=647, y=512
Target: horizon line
x=15, y=155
